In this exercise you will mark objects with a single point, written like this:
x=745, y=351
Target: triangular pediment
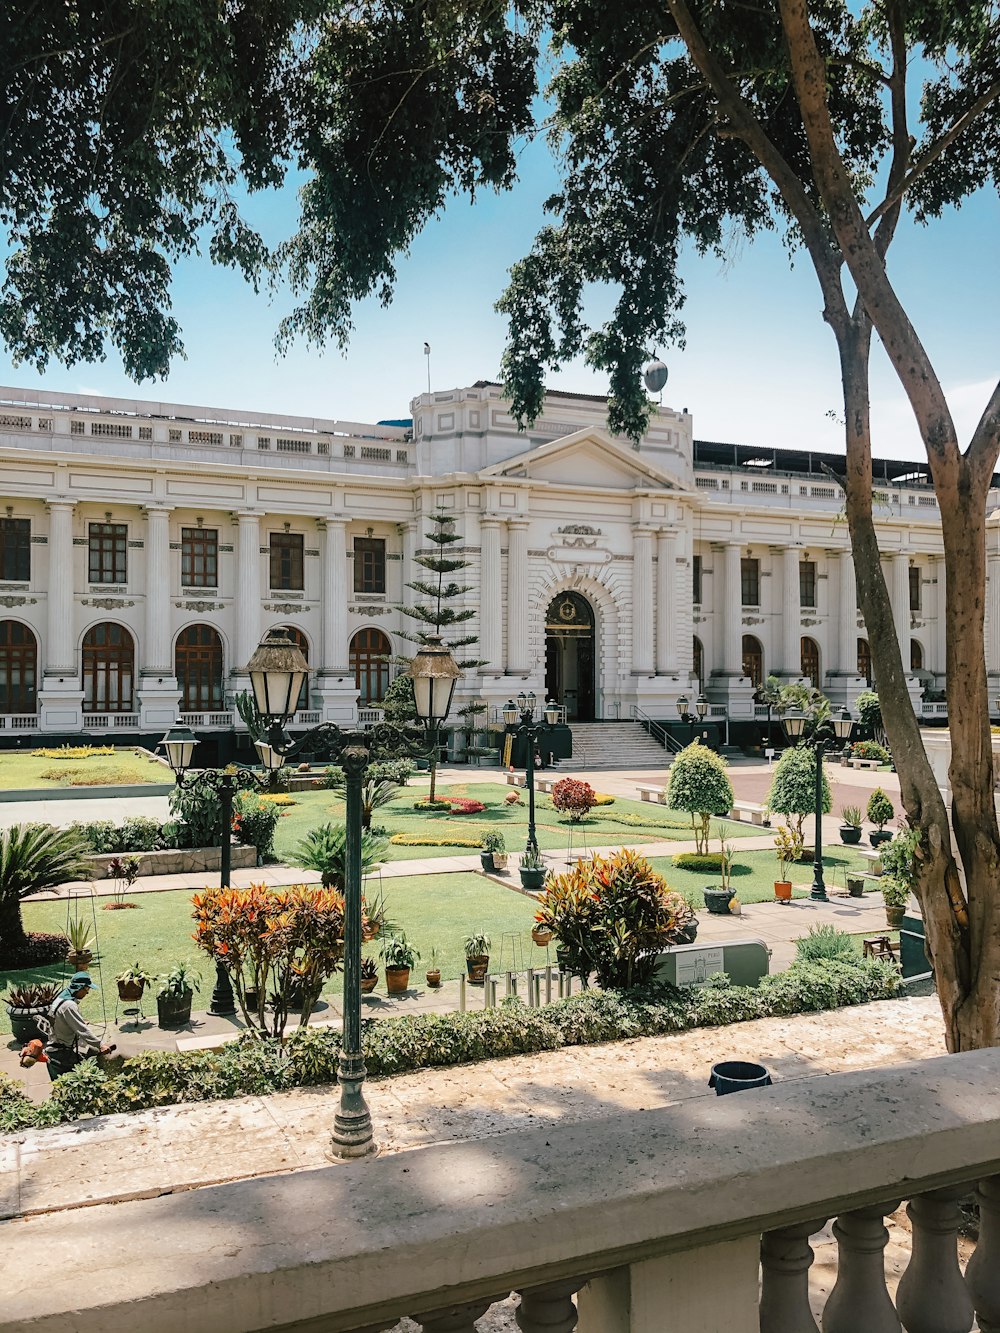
x=586, y=458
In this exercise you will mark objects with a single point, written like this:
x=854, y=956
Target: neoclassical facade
x=146, y=547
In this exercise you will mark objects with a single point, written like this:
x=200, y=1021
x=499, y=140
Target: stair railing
x=654, y=729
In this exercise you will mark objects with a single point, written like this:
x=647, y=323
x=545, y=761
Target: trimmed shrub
x=880, y=809
x=870, y=750
x=573, y=798
x=826, y=942
x=700, y=785
x=793, y=787
x=707, y=861
x=415, y=840
x=467, y=807
x=254, y=822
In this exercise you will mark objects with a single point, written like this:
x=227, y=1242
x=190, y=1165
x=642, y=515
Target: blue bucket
x=737, y=1076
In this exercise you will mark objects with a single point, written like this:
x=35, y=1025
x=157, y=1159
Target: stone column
x=335, y=598
x=60, y=654
x=490, y=598
x=899, y=594
x=791, y=614
x=408, y=531
x=518, y=663
x=848, y=650
x=156, y=654
x=732, y=612
x=666, y=603
x=248, y=591
x=642, y=602
x=992, y=612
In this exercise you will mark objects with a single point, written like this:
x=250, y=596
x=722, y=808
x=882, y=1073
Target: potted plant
x=541, y=934
x=850, y=825
x=856, y=886
x=787, y=849
x=493, y=856
x=369, y=975
x=80, y=941
x=879, y=813
x=399, y=955
x=173, y=999
x=25, y=1005
x=532, y=869
x=477, y=958
x=895, y=895
x=434, y=972
x=718, y=898
x=132, y=982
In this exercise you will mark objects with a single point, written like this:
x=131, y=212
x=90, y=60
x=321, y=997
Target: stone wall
x=185, y=861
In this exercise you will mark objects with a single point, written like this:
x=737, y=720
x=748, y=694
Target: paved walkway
x=179, y=1148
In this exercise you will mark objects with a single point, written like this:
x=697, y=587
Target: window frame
x=369, y=565
x=915, y=582
x=18, y=550
x=109, y=543
x=203, y=688
x=697, y=574
x=807, y=584
x=749, y=580
x=287, y=549
x=208, y=540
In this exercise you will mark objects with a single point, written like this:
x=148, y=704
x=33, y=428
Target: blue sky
x=760, y=366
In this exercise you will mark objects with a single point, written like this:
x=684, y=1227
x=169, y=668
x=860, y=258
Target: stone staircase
x=602, y=746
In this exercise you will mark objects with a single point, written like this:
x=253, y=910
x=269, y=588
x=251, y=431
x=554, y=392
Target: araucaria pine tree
x=441, y=612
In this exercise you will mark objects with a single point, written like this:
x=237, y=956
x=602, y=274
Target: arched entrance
x=18, y=668
x=809, y=663
x=108, y=669
x=753, y=660
x=570, y=656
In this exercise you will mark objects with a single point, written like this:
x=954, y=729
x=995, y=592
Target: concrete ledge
x=180, y=861
x=85, y=793
x=357, y=1243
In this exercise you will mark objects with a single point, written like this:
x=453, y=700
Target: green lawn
x=604, y=825
x=27, y=770
x=755, y=872
x=434, y=911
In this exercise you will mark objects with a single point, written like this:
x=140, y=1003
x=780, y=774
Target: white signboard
x=695, y=966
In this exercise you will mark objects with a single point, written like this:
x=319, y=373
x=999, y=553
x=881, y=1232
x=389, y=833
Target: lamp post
x=825, y=730
x=277, y=673
x=519, y=719
x=179, y=744
x=684, y=710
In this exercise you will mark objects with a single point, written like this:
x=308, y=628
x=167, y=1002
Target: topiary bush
x=707, y=861
x=870, y=750
x=793, y=787
x=700, y=785
x=880, y=809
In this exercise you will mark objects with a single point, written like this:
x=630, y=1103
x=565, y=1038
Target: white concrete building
x=146, y=547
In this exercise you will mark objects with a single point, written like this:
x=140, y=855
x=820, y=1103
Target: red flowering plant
x=467, y=807
x=574, y=798
x=271, y=943
x=611, y=916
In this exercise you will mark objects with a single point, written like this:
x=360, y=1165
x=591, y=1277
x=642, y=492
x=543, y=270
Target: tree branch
x=984, y=448
x=901, y=143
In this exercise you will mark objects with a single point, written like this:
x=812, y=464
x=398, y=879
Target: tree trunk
x=12, y=933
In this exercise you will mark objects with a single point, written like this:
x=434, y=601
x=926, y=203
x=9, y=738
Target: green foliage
x=869, y=712
x=851, y=816
x=397, y=702
x=900, y=857
x=397, y=951
x=492, y=840
x=880, y=809
x=826, y=942
x=34, y=857
x=254, y=823
x=324, y=849
x=179, y=981
x=137, y=834
x=254, y=1065
x=478, y=945
x=870, y=750
x=381, y=784
x=793, y=787
x=198, y=810
x=895, y=892
x=710, y=862
x=700, y=785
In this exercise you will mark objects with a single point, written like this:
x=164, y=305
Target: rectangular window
x=807, y=583
x=696, y=580
x=199, y=557
x=108, y=553
x=369, y=564
x=914, y=588
x=15, y=549
x=287, y=568
x=750, y=581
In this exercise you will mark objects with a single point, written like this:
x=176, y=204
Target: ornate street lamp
x=519, y=719
x=834, y=728
x=277, y=672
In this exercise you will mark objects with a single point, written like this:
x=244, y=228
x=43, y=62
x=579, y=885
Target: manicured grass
x=602, y=827
x=755, y=872
x=24, y=771
x=434, y=911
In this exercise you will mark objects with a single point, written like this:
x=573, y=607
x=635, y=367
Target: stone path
x=196, y=1144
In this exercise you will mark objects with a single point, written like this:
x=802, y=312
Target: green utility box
x=912, y=958
x=743, y=961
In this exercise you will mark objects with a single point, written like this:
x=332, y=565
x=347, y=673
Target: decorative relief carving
x=753, y=620
x=18, y=601
x=809, y=622
x=580, y=529
x=365, y=610
x=200, y=607
x=284, y=608
x=107, y=603
x=80, y=541
x=309, y=550
x=39, y=541
x=226, y=550
x=175, y=546
x=136, y=546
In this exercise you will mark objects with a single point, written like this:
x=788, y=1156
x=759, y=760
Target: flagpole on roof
x=427, y=353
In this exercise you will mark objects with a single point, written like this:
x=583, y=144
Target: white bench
x=545, y=784
x=866, y=763
x=751, y=808
x=654, y=794
x=515, y=780
x=873, y=857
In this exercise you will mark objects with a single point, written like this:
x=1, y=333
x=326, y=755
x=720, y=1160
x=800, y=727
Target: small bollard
x=507, y=986
x=461, y=994
x=529, y=978
x=536, y=995
x=548, y=983
x=493, y=992
x=489, y=992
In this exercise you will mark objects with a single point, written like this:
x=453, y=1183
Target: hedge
x=707, y=861
x=252, y=1066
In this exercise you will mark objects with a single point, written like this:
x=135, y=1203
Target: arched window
x=370, y=650
x=810, y=660
x=753, y=660
x=108, y=669
x=18, y=667
x=865, y=660
x=198, y=667
x=301, y=642
x=916, y=656
x=698, y=665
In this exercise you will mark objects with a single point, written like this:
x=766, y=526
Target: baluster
x=785, y=1259
x=549, y=1309
x=859, y=1299
x=982, y=1273
x=453, y=1318
x=932, y=1296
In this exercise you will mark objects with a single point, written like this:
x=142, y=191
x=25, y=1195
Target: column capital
x=517, y=522
x=248, y=515
x=643, y=528
x=494, y=520
x=333, y=521
x=61, y=503
x=155, y=508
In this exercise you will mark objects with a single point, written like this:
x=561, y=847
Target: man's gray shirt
x=69, y=1026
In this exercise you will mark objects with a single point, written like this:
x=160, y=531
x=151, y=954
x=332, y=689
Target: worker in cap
x=71, y=1039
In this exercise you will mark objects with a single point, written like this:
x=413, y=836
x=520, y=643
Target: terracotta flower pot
x=397, y=980
x=368, y=984
x=783, y=890
x=477, y=968
x=541, y=935
x=79, y=962
x=434, y=977
x=131, y=990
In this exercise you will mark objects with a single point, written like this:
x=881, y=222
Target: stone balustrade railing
x=695, y=1218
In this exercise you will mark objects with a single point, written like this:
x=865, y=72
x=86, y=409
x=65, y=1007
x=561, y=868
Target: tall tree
x=438, y=615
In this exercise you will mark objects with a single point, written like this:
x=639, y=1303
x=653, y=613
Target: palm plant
x=34, y=857
x=324, y=849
